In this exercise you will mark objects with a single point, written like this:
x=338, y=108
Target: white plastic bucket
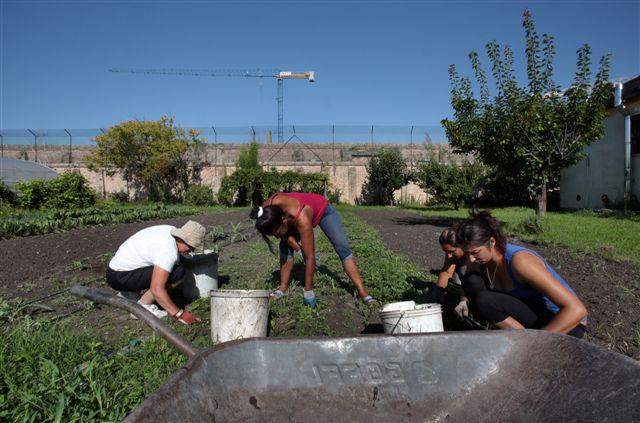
x=237, y=314
x=401, y=318
x=203, y=269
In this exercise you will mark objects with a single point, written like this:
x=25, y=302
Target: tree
x=386, y=173
x=152, y=156
x=448, y=184
x=248, y=158
x=528, y=134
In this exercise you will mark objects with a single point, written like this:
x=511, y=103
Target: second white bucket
x=422, y=318
x=202, y=270
x=237, y=314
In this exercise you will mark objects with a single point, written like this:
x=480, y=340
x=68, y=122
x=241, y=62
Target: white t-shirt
x=153, y=246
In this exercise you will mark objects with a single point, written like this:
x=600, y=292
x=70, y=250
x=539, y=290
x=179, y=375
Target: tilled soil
x=609, y=289
x=31, y=267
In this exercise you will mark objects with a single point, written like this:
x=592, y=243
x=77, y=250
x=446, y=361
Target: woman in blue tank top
x=513, y=287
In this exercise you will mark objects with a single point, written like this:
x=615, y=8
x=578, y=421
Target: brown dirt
x=31, y=267
x=609, y=289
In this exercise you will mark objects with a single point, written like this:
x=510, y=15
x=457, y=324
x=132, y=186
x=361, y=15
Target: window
x=635, y=134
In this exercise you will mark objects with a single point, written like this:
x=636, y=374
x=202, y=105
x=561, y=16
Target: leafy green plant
x=448, y=184
x=120, y=197
x=40, y=222
x=70, y=190
x=248, y=158
x=252, y=186
x=528, y=134
x=52, y=372
x=199, y=195
x=158, y=158
x=33, y=193
x=7, y=195
x=386, y=172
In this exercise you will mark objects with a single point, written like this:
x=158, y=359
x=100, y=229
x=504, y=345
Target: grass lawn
x=612, y=237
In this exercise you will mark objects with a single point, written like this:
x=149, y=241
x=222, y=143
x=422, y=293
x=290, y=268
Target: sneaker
x=153, y=309
x=369, y=300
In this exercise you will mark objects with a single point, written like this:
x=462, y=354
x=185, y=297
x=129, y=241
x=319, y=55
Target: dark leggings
x=496, y=306
x=139, y=279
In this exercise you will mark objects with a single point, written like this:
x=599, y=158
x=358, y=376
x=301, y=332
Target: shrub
x=70, y=190
x=120, y=197
x=386, y=173
x=449, y=184
x=334, y=196
x=156, y=157
x=33, y=193
x=7, y=195
x=199, y=195
x=252, y=186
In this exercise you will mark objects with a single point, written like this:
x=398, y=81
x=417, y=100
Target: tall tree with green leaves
x=528, y=134
x=158, y=159
x=386, y=172
x=248, y=158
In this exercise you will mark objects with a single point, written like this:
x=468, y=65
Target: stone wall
x=344, y=164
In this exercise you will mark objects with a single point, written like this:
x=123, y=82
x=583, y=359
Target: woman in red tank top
x=291, y=217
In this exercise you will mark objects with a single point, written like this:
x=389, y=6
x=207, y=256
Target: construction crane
x=280, y=76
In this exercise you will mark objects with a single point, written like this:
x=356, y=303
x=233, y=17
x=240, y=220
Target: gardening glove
x=185, y=317
x=310, y=298
x=462, y=309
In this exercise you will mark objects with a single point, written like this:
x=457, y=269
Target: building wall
x=601, y=172
x=344, y=163
x=348, y=178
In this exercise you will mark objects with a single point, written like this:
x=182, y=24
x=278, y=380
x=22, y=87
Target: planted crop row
x=44, y=222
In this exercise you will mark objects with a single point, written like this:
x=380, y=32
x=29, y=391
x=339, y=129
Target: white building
x=602, y=172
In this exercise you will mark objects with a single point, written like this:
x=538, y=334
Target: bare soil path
x=609, y=289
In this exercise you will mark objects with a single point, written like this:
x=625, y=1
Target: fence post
x=70, y=145
x=35, y=144
x=411, y=141
x=215, y=147
x=333, y=147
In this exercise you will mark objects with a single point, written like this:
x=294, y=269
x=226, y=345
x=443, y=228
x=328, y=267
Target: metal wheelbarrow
x=480, y=376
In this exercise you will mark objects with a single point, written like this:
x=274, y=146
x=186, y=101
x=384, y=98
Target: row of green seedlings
x=43, y=222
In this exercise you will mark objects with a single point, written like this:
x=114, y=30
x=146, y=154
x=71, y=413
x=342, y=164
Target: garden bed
x=610, y=289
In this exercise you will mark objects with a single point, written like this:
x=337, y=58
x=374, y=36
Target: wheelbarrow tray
x=491, y=376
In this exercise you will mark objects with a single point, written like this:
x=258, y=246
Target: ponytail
x=479, y=229
x=268, y=219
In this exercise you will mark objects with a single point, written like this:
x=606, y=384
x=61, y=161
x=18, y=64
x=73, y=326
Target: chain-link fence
x=70, y=145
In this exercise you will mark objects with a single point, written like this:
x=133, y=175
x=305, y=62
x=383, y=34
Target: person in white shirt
x=149, y=263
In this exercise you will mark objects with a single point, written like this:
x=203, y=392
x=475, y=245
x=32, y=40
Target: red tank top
x=316, y=202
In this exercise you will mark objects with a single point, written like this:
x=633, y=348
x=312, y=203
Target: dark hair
x=268, y=222
x=448, y=236
x=479, y=229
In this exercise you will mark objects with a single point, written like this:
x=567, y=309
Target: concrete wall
x=601, y=172
x=344, y=164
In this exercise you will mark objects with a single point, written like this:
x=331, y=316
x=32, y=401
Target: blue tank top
x=525, y=291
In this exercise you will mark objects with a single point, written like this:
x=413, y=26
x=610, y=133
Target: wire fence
x=67, y=145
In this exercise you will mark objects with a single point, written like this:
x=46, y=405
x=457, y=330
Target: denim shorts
x=332, y=228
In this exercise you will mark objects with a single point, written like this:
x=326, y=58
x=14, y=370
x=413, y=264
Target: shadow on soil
x=442, y=222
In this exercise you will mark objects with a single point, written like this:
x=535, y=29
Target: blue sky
x=376, y=62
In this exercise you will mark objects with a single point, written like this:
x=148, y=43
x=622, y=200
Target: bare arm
x=448, y=269
x=158, y=288
x=305, y=228
x=530, y=269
